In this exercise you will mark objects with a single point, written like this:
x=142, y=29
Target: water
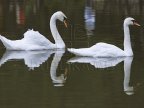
x=45, y=79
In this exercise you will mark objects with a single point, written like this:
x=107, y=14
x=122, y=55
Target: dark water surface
x=45, y=79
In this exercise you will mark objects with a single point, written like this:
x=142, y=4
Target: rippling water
x=58, y=79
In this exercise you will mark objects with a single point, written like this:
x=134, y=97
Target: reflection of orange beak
x=135, y=23
x=66, y=72
x=65, y=23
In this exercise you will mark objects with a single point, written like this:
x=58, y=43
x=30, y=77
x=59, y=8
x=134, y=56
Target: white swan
x=108, y=50
x=33, y=40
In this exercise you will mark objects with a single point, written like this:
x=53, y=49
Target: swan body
x=33, y=40
x=108, y=50
x=98, y=50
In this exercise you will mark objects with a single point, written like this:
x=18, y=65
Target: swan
x=33, y=40
x=108, y=50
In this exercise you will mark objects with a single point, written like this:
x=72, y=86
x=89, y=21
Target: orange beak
x=65, y=23
x=135, y=23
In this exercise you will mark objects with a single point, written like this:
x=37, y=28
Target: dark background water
x=90, y=21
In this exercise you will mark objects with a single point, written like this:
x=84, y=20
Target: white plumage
x=33, y=40
x=98, y=50
x=108, y=50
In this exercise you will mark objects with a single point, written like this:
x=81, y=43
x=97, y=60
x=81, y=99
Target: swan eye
x=64, y=18
x=133, y=21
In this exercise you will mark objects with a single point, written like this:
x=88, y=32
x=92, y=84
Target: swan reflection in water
x=34, y=59
x=110, y=62
x=57, y=80
x=102, y=62
x=129, y=90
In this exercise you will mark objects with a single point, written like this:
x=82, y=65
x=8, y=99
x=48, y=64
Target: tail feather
x=81, y=51
x=71, y=50
x=5, y=42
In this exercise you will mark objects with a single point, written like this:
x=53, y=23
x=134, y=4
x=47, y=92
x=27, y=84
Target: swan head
x=61, y=16
x=130, y=21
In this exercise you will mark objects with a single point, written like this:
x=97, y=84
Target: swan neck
x=127, y=41
x=58, y=40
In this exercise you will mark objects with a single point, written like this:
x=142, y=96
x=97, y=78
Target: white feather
x=33, y=40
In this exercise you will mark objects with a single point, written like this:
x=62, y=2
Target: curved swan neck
x=58, y=40
x=127, y=41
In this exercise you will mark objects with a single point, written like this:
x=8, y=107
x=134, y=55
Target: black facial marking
x=133, y=21
x=64, y=18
